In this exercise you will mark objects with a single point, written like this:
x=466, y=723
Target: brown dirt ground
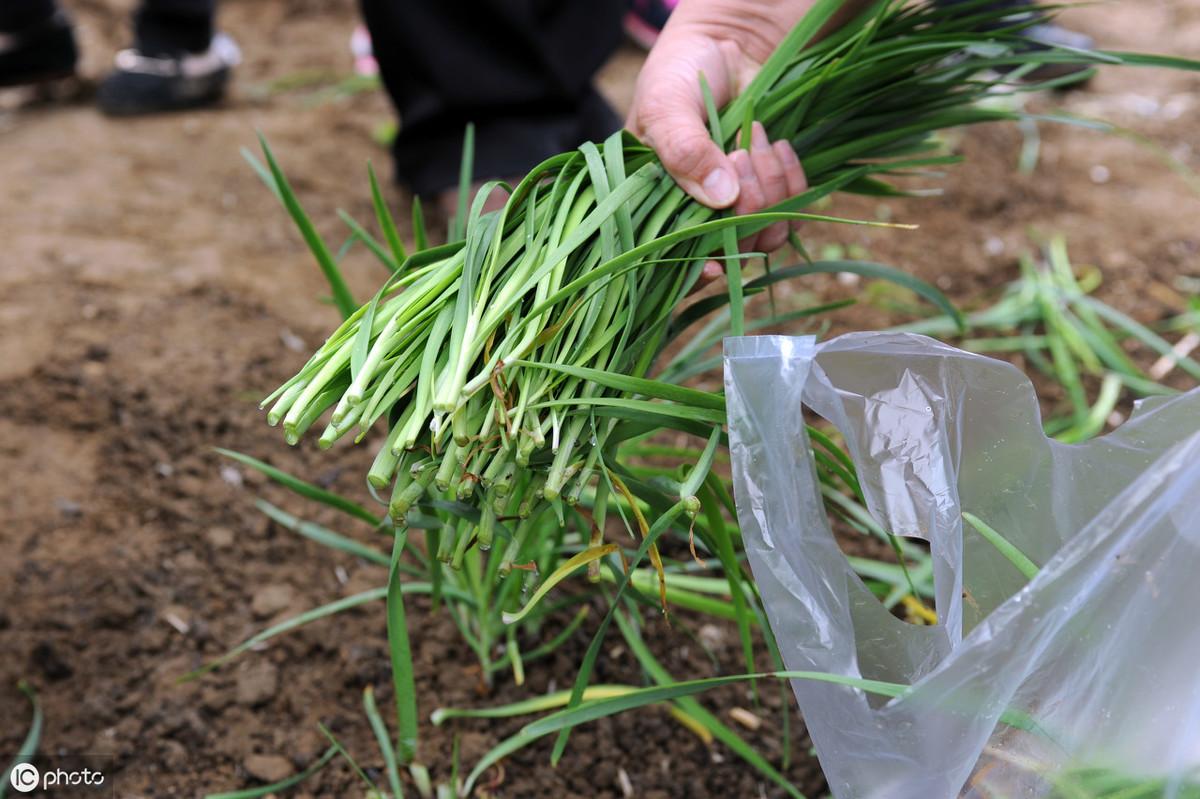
x=152, y=289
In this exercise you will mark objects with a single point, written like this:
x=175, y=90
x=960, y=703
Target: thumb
x=687, y=152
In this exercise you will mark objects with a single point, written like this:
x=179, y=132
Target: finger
x=750, y=195
x=772, y=238
x=772, y=178
x=793, y=171
x=711, y=271
x=687, y=152
x=768, y=166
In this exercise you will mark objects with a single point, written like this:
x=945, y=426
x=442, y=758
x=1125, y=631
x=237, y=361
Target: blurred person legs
x=177, y=61
x=36, y=43
x=520, y=70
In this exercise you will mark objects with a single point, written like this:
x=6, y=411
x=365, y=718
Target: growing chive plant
x=1050, y=316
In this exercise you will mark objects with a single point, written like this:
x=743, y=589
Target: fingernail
x=758, y=137
x=721, y=186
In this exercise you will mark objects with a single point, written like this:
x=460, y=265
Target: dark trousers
x=521, y=70
x=160, y=26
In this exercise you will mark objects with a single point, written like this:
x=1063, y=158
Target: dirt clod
x=268, y=768
x=257, y=683
x=271, y=599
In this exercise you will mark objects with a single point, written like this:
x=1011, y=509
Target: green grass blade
x=549, y=646
x=694, y=709
x=306, y=490
x=466, y=171
x=733, y=276
x=1142, y=334
x=661, y=524
x=710, y=107
x=538, y=704
x=263, y=173
x=33, y=737
x=559, y=574
x=385, y=745
x=341, y=750
x=420, y=235
x=672, y=691
x=1014, y=556
x=1106, y=402
x=731, y=568
x=1153, y=60
x=871, y=271
x=635, y=385
x=385, y=257
x=322, y=535
x=330, y=609
x=384, y=217
x=362, y=340
x=403, y=678
x=342, y=297
x=624, y=408
x=699, y=472
x=288, y=625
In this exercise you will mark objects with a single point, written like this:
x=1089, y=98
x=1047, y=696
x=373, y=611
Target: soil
x=153, y=290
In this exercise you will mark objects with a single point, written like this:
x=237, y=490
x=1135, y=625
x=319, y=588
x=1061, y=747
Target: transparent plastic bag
x=1092, y=668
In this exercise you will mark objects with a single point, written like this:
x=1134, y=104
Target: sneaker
x=45, y=51
x=143, y=84
x=645, y=20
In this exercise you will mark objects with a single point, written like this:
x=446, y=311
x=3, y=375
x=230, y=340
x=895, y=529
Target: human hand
x=727, y=42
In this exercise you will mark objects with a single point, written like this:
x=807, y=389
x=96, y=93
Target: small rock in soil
x=68, y=508
x=220, y=537
x=268, y=768
x=712, y=636
x=270, y=600
x=173, y=755
x=215, y=699
x=257, y=684
x=232, y=476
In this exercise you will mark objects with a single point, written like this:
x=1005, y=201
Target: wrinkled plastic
x=1101, y=650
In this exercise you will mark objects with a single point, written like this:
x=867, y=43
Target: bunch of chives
x=510, y=363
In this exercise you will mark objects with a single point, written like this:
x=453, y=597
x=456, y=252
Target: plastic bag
x=1092, y=668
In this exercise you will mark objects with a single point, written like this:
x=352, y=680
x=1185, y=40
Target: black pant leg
x=167, y=26
x=17, y=15
x=521, y=70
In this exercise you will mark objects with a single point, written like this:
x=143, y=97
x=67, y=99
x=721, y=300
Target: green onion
x=519, y=354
